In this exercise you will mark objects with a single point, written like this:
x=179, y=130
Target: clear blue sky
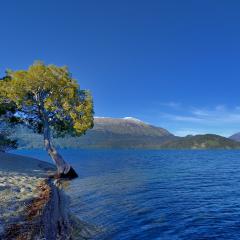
x=174, y=64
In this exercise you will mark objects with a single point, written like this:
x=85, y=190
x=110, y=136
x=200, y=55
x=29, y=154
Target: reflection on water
x=157, y=194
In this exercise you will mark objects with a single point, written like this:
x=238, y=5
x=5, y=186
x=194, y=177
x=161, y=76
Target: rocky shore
x=32, y=205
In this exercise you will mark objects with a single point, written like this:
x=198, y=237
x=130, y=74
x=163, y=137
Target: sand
x=20, y=178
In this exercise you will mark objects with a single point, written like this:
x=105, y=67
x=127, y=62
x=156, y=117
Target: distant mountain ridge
x=107, y=133
x=128, y=125
x=128, y=133
x=206, y=141
x=235, y=137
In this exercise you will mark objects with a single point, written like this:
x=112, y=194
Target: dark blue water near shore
x=156, y=194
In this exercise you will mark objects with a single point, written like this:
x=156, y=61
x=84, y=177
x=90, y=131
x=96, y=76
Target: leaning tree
x=49, y=101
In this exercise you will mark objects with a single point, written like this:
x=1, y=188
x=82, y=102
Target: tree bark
x=64, y=170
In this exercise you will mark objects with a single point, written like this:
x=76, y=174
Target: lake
x=138, y=194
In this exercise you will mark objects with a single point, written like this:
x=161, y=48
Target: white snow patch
x=132, y=119
x=125, y=118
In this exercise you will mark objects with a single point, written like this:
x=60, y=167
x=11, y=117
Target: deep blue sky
x=175, y=64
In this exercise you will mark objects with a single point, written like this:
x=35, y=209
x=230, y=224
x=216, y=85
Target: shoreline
x=33, y=205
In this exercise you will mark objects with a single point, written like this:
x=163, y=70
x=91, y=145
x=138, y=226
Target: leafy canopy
x=49, y=90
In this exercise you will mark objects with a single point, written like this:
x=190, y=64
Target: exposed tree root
x=29, y=227
x=47, y=217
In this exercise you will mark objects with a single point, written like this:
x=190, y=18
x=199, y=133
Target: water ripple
x=167, y=195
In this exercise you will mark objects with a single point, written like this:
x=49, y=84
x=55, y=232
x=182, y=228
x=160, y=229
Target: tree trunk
x=64, y=170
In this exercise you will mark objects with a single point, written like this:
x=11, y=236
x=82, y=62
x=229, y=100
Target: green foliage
x=7, y=107
x=7, y=119
x=50, y=91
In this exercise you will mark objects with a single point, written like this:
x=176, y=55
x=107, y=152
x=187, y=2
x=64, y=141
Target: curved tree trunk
x=63, y=168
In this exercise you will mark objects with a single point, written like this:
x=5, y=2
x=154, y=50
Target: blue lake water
x=156, y=194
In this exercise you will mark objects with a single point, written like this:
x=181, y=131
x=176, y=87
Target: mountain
x=235, y=137
x=107, y=133
x=207, y=141
x=128, y=126
x=127, y=133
